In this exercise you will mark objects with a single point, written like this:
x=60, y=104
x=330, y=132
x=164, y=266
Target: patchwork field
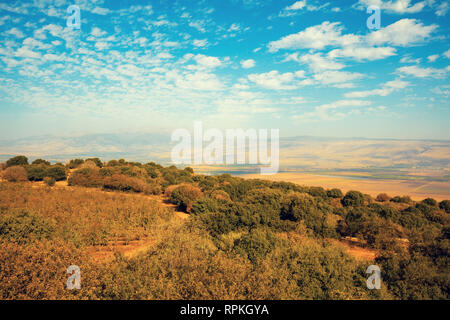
x=416, y=189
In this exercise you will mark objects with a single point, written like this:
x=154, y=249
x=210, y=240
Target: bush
x=221, y=195
x=445, y=205
x=41, y=161
x=335, y=193
x=123, y=182
x=152, y=189
x=49, y=181
x=86, y=177
x=2, y=166
x=36, y=172
x=404, y=199
x=430, y=202
x=21, y=226
x=15, y=174
x=185, y=195
x=75, y=163
x=97, y=161
x=296, y=206
x=256, y=244
x=353, y=199
x=56, y=172
x=382, y=197
x=17, y=161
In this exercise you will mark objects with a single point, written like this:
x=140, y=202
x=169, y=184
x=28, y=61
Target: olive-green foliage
x=36, y=172
x=185, y=195
x=41, y=161
x=430, y=202
x=404, y=199
x=412, y=218
x=56, y=172
x=17, y=161
x=335, y=193
x=49, y=181
x=22, y=226
x=353, y=199
x=445, y=205
x=256, y=244
x=75, y=163
x=97, y=161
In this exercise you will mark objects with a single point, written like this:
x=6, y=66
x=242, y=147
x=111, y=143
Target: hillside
x=144, y=231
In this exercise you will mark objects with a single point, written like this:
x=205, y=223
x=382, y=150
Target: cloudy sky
x=305, y=67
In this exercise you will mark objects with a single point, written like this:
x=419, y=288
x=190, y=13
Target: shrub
x=317, y=192
x=49, y=181
x=353, y=199
x=21, y=226
x=2, y=166
x=445, y=205
x=123, y=182
x=185, y=195
x=15, y=174
x=430, y=202
x=152, y=188
x=382, y=197
x=41, y=161
x=412, y=218
x=205, y=205
x=75, y=163
x=17, y=161
x=86, y=177
x=404, y=199
x=256, y=244
x=221, y=195
x=296, y=206
x=36, y=172
x=335, y=193
x=56, y=172
x=169, y=190
x=97, y=161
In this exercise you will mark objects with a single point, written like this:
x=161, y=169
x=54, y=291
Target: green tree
x=17, y=161
x=353, y=199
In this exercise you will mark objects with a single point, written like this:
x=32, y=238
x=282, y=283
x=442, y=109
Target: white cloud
x=386, y=89
x=395, y=6
x=200, y=43
x=97, y=32
x=339, y=79
x=207, y=61
x=442, y=9
x=101, y=45
x=447, y=53
x=315, y=37
x=315, y=62
x=363, y=53
x=25, y=52
x=433, y=57
x=275, y=80
x=247, y=64
x=101, y=11
x=202, y=81
x=404, y=33
x=422, y=72
x=198, y=25
x=328, y=111
x=15, y=32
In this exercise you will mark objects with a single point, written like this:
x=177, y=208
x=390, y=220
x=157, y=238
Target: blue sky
x=305, y=67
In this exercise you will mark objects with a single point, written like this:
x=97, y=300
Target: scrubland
x=143, y=231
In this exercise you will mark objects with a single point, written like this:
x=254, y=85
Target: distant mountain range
x=296, y=153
